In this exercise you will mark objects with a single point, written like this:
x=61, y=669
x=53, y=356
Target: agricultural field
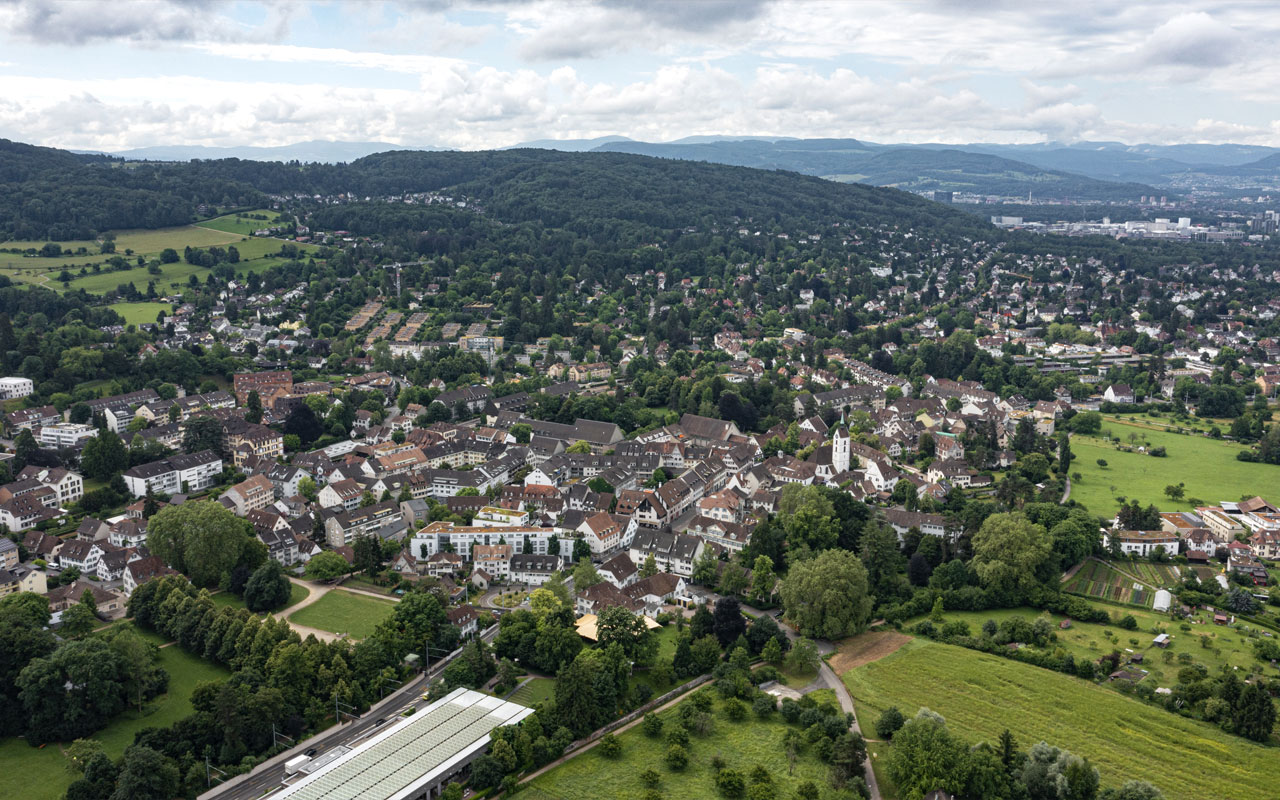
x=19, y=762
x=356, y=615
x=980, y=695
x=139, y=313
x=241, y=224
x=1161, y=576
x=1101, y=580
x=1206, y=467
x=742, y=745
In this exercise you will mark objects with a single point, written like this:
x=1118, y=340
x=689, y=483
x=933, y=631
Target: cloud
x=1192, y=40
x=136, y=21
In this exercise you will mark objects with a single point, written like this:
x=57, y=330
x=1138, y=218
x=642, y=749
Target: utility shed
x=414, y=756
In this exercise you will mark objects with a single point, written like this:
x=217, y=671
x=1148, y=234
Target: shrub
x=610, y=746
x=650, y=778
x=718, y=763
x=735, y=710
x=764, y=705
x=677, y=758
x=1128, y=622
x=730, y=783
x=678, y=737
x=652, y=725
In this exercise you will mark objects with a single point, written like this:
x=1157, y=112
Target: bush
x=652, y=725
x=678, y=737
x=764, y=705
x=889, y=723
x=1158, y=452
x=730, y=783
x=610, y=746
x=735, y=710
x=650, y=778
x=1128, y=622
x=677, y=758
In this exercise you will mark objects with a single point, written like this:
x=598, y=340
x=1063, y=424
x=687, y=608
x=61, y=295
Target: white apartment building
x=13, y=388
x=65, y=434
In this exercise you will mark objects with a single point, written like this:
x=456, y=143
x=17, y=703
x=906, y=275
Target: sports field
x=344, y=612
x=980, y=695
x=1206, y=467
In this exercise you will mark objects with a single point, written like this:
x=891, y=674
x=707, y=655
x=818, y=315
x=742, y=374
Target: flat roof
x=411, y=752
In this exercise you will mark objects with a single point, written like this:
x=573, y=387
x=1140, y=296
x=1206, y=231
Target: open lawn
x=1207, y=467
x=241, y=223
x=344, y=612
x=980, y=695
x=534, y=692
x=1101, y=580
x=1226, y=646
x=138, y=313
x=743, y=745
x=296, y=595
x=20, y=763
x=256, y=255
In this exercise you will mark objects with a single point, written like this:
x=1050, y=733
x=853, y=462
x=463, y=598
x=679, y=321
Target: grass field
x=256, y=254
x=244, y=226
x=1207, y=467
x=138, y=313
x=296, y=595
x=980, y=695
x=20, y=763
x=1229, y=647
x=742, y=745
x=534, y=692
x=1098, y=579
x=343, y=612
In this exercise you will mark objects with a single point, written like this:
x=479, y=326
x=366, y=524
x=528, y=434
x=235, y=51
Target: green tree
x=78, y=621
x=79, y=753
x=145, y=775
x=827, y=596
x=253, y=407
x=267, y=588
x=649, y=567
x=925, y=757
x=200, y=433
x=1008, y=552
x=307, y=488
x=202, y=540
x=762, y=578
x=326, y=566
x=55, y=712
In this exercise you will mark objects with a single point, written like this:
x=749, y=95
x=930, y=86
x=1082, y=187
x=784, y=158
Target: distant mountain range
x=310, y=152
x=1097, y=171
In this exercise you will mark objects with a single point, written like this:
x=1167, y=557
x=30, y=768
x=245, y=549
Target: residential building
x=14, y=388
x=251, y=494
x=65, y=435
x=184, y=473
x=375, y=520
x=1142, y=543
x=494, y=559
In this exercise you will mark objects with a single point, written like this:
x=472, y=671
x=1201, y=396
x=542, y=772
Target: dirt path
x=846, y=705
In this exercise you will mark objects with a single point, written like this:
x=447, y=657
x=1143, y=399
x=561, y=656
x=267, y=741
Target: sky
x=117, y=74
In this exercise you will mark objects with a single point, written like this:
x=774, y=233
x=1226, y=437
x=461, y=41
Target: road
x=270, y=774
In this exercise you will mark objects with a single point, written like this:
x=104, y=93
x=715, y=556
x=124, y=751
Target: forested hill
x=52, y=194
x=918, y=168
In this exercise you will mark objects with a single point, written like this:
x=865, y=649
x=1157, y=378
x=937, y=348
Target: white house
x=1142, y=543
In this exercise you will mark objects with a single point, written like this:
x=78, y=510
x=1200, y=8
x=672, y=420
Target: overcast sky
x=115, y=74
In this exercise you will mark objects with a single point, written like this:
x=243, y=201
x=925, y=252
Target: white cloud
x=480, y=73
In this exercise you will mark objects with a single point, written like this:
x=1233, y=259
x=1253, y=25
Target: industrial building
x=413, y=757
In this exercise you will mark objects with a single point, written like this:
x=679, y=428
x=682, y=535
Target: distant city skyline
x=104, y=75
